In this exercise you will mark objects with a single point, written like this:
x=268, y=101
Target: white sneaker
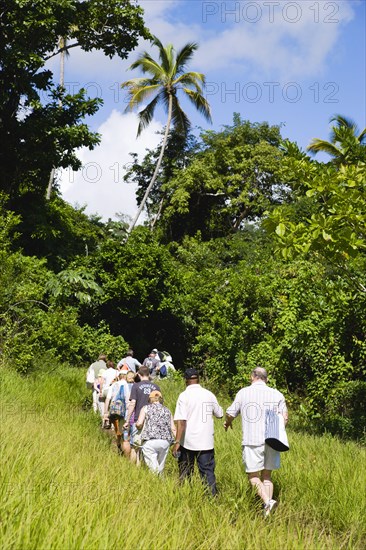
x=270, y=507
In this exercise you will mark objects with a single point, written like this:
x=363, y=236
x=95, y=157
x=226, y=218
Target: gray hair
x=260, y=372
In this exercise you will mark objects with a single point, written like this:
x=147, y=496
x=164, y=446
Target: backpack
x=163, y=372
x=148, y=364
x=118, y=406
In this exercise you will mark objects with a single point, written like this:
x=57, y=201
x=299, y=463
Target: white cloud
x=100, y=183
x=289, y=39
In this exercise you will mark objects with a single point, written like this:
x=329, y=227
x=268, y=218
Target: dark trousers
x=205, y=463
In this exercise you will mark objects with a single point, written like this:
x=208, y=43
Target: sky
x=289, y=63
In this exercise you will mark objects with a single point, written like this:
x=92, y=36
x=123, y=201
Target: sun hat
x=101, y=372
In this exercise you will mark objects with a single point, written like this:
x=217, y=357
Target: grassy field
x=63, y=486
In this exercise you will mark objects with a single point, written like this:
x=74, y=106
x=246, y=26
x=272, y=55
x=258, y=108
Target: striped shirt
x=252, y=403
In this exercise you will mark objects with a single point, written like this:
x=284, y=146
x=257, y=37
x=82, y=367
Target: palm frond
x=146, y=115
x=148, y=65
x=319, y=145
x=362, y=137
x=200, y=103
x=184, y=56
x=179, y=118
x=170, y=67
x=138, y=82
x=139, y=94
x=191, y=79
x=163, y=54
x=344, y=121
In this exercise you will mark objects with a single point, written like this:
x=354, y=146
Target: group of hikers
x=130, y=401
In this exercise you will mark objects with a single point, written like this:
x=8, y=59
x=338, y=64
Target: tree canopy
x=41, y=124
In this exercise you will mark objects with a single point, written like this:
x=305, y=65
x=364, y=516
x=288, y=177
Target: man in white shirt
x=194, y=414
x=92, y=375
x=109, y=375
x=259, y=459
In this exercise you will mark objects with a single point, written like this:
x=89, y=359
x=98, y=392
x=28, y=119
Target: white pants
x=95, y=401
x=155, y=452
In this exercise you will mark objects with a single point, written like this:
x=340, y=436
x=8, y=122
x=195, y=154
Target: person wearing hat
x=194, y=414
x=259, y=459
x=158, y=432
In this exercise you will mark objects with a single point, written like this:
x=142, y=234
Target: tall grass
x=63, y=486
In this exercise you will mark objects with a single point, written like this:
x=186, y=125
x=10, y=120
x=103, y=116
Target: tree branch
x=60, y=50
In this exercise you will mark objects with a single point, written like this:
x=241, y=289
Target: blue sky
x=290, y=63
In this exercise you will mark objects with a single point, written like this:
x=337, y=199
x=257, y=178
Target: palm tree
x=63, y=54
x=164, y=81
x=346, y=144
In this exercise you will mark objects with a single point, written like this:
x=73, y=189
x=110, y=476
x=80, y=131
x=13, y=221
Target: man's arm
x=228, y=422
x=181, y=428
x=282, y=409
x=173, y=428
x=285, y=415
x=141, y=418
x=130, y=409
x=217, y=410
x=232, y=411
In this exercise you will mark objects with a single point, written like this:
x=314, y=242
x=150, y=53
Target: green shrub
x=345, y=412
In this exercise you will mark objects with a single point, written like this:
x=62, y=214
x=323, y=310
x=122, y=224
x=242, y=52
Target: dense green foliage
x=289, y=297
x=41, y=124
x=232, y=180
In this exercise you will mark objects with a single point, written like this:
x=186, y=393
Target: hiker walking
x=259, y=459
x=130, y=361
x=194, y=414
x=158, y=432
x=152, y=361
x=139, y=397
x=92, y=376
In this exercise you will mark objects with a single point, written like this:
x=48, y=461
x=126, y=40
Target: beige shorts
x=261, y=457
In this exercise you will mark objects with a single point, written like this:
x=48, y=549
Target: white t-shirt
x=198, y=406
x=109, y=375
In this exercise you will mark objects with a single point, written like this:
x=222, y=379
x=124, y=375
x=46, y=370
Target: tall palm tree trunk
x=157, y=168
x=62, y=44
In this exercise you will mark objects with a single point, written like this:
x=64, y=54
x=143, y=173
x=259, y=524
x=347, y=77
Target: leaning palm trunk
x=157, y=168
x=165, y=80
x=157, y=215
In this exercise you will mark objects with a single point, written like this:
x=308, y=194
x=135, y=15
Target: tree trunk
x=158, y=214
x=157, y=168
x=62, y=82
